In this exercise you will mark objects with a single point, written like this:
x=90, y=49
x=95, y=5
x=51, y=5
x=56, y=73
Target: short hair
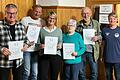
x=52, y=13
x=35, y=6
x=113, y=14
x=85, y=9
x=11, y=6
x=72, y=22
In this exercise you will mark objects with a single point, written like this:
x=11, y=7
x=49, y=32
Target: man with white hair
x=92, y=51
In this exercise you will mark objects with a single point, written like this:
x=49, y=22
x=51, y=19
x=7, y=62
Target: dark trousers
x=49, y=65
x=16, y=72
x=109, y=69
x=71, y=71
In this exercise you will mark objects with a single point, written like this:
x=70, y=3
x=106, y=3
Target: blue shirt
x=76, y=38
x=112, y=44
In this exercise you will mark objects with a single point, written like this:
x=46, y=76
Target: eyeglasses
x=10, y=13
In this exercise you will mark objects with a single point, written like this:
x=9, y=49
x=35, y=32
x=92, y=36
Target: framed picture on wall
x=103, y=18
x=104, y=11
x=106, y=8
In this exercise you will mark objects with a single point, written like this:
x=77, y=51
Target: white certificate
x=68, y=49
x=87, y=36
x=51, y=45
x=15, y=49
x=33, y=32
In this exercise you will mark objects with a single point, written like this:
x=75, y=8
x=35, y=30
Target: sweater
x=80, y=48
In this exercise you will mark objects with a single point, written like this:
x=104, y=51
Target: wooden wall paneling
x=118, y=13
x=2, y=8
x=1, y=14
x=65, y=13
x=23, y=7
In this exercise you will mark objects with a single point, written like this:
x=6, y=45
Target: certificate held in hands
x=15, y=49
x=68, y=49
x=33, y=32
x=87, y=36
x=50, y=45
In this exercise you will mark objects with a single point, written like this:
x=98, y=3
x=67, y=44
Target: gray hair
x=86, y=8
x=11, y=6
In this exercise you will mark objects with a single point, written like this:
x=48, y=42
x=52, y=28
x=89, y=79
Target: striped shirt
x=5, y=37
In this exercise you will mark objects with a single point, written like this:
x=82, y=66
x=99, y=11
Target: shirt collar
x=5, y=22
x=48, y=30
x=86, y=26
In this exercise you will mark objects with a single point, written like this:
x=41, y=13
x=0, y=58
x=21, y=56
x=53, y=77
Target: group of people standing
x=36, y=65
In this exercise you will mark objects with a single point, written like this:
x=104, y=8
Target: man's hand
x=95, y=38
x=25, y=47
x=42, y=46
x=5, y=51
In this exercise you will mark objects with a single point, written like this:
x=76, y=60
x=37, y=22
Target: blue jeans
x=71, y=71
x=109, y=69
x=30, y=65
x=82, y=75
x=93, y=67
